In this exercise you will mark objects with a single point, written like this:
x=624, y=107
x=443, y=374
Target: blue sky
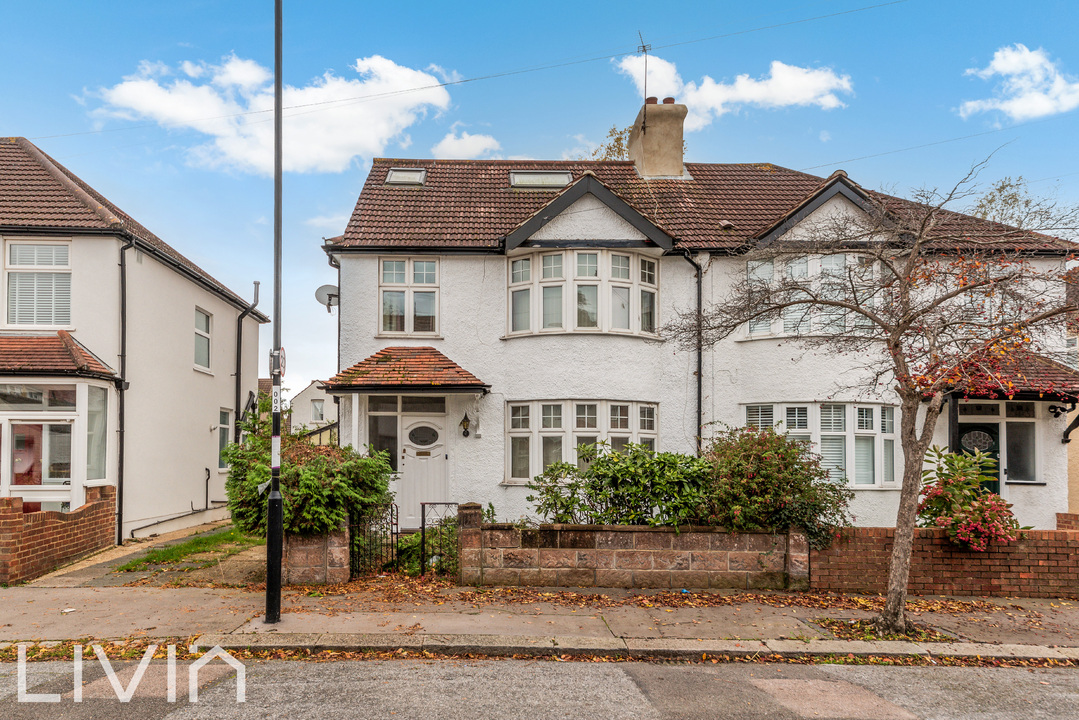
x=157, y=105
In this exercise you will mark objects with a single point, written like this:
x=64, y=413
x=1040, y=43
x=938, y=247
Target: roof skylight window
x=406, y=176
x=540, y=179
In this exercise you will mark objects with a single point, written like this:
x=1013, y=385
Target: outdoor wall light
x=465, y=422
x=1058, y=410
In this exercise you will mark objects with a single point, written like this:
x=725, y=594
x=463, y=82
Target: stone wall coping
x=630, y=528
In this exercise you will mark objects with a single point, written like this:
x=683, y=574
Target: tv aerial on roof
x=328, y=295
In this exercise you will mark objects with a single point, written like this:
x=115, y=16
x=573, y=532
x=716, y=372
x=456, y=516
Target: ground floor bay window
x=857, y=442
x=543, y=432
x=53, y=441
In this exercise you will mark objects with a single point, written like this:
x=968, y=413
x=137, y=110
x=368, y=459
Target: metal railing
x=373, y=541
x=438, y=533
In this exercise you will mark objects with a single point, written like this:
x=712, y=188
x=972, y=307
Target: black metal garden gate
x=438, y=537
x=373, y=538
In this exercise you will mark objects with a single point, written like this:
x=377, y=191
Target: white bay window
x=587, y=291
x=856, y=442
x=545, y=432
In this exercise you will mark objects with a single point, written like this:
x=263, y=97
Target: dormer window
x=406, y=176
x=540, y=179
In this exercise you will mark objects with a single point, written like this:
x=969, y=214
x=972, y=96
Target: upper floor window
x=855, y=442
x=316, y=410
x=583, y=290
x=408, y=291
x=38, y=284
x=203, y=320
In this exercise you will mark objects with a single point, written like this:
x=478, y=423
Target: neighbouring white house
x=497, y=314
x=312, y=408
x=121, y=362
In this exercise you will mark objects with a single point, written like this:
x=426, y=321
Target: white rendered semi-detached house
x=121, y=362
x=544, y=284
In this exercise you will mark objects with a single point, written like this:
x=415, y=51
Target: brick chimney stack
x=656, y=141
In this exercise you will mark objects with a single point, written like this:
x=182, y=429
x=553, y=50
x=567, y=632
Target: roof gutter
x=239, y=363
x=700, y=346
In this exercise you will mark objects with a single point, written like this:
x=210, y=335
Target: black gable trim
x=588, y=185
x=839, y=187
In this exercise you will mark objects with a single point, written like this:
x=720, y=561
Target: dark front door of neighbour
x=984, y=437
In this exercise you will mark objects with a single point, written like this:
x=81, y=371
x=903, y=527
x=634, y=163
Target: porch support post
x=355, y=420
x=953, y=423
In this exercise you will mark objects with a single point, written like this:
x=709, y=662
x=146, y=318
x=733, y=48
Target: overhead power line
x=488, y=76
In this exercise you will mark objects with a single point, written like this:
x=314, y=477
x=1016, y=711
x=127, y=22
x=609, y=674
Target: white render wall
x=173, y=408
x=302, y=411
x=737, y=371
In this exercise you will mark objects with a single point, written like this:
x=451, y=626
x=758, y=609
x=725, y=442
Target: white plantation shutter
x=864, y=460
x=39, y=255
x=39, y=298
x=833, y=455
x=833, y=418
x=889, y=461
x=797, y=418
x=759, y=415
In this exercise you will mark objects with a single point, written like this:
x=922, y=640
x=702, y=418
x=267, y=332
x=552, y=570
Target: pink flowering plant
x=954, y=500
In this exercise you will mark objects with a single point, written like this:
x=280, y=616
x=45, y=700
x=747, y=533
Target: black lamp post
x=275, y=519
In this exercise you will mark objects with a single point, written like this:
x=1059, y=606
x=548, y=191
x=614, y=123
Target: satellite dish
x=328, y=295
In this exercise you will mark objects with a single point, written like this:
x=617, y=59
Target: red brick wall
x=32, y=544
x=1067, y=521
x=1043, y=563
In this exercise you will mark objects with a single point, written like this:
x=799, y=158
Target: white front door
x=422, y=467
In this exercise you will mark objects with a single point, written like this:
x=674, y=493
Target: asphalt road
x=492, y=690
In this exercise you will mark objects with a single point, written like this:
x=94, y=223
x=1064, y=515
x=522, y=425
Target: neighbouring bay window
x=856, y=442
x=53, y=438
x=38, y=283
x=544, y=432
x=583, y=290
x=408, y=291
x=203, y=322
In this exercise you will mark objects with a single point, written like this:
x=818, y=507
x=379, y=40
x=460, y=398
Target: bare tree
x=916, y=297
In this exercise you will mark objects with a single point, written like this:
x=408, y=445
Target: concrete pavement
x=231, y=618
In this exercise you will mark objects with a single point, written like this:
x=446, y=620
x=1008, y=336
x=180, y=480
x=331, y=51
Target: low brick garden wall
x=318, y=560
x=627, y=556
x=1067, y=521
x=1042, y=563
x=35, y=543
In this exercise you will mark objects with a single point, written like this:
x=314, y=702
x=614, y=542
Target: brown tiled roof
x=58, y=354
x=265, y=386
x=38, y=193
x=1039, y=372
x=469, y=204
x=414, y=368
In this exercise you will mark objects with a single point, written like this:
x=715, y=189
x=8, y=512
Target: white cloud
x=825, y=136
x=334, y=120
x=329, y=222
x=465, y=146
x=1031, y=85
x=784, y=86
x=584, y=148
x=450, y=76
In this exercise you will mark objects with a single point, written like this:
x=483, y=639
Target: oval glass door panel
x=423, y=436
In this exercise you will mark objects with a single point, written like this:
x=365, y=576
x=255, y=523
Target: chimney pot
x=668, y=101
x=651, y=101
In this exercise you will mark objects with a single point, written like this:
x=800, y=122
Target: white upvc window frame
x=1001, y=420
x=409, y=288
x=850, y=433
x=12, y=269
x=207, y=335
x=607, y=282
x=575, y=429
x=224, y=436
x=73, y=494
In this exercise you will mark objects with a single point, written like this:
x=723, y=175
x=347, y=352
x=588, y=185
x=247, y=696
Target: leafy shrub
x=441, y=549
x=633, y=487
x=954, y=500
x=320, y=485
x=760, y=479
